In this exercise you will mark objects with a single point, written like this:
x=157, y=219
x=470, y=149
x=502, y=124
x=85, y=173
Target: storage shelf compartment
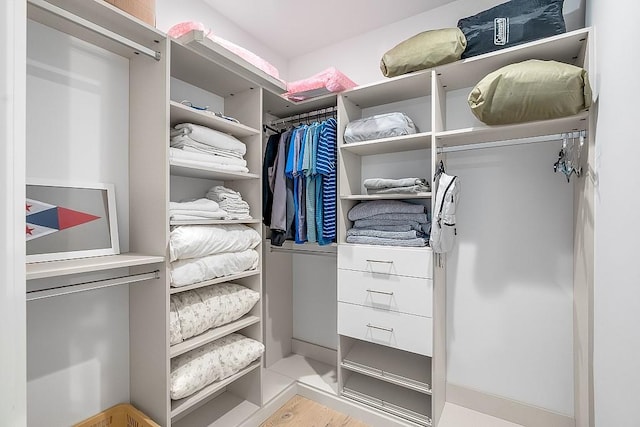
x=482, y=134
x=398, y=367
x=180, y=168
x=398, y=401
x=215, y=221
x=212, y=335
x=41, y=270
x=395, y=144
x=225, y=410
x=215, y=281
x=195, y=59
x=466, y=73
x=101, y=14
x=180, y=407
x=396, y=196
x=183, y=114
x=399, y=88
x=280, y=106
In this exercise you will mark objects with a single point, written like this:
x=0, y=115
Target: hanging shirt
x=326, y=166
x=268, y=169
x=279, y=223
x=308, y=166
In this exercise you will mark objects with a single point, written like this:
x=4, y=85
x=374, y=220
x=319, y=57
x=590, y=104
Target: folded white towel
x=212, y=137
x=219, y=193
x=174, y=154
x=199, y=204
x=197, y=215
x=184, y=142
x=391, y=183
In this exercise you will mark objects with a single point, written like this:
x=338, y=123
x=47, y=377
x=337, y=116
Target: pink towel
x=182, y=28
x=329, y=80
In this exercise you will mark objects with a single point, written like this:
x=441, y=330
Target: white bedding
x=174, y=156
x=182, y=141
x=188, y=153
x=196, y=241
x=202, y=309
x=211, y=137
x=192, y=371
x=189, y=271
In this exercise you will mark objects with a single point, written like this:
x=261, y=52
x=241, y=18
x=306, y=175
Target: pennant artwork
x=43, y=219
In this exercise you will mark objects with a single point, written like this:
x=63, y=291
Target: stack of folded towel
x=201, y=146
x=389, y=223
x=396, y=186
x=195, y=210
x=230, y=201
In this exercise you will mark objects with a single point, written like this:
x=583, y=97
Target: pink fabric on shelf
x=329, y=80
x=183, y=28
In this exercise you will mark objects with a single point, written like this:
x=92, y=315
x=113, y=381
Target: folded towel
x=199, y=204
x=207, y=165
x=376, y=223
x=184, y=142
x=400, y=190
x=404, y=217
x=195, y=215
x=220, y=192
x=418, y=242
x=368, y=209
x=379, y=183
x=212, y=137
x=401, y=235
x=385, y=227
x=190, y=152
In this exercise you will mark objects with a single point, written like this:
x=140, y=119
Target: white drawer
x=413, y=262
x=397, y=293
x=390, y=328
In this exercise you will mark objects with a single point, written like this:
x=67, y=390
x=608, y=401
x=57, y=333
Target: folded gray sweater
x=403, y=235
x=378, y=183
x=419, y=242
x=414, y=189
x=376, y=207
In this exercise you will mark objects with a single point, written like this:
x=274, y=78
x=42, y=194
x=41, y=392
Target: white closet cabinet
x=392, y=300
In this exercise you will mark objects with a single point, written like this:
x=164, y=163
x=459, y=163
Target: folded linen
x=195, y=205
x=385, y=227
x=219, y=193
x=194, y=154
x=379, y=183
x=196, y=215
x=414, y=189
x=212, y=137
x=363, y=240
x=401, y=235
x=184, y=141
x=196, y=270
x=376, y=223
x=406, y=217
x=205, y=164
x=368, y=209
x=196, y=241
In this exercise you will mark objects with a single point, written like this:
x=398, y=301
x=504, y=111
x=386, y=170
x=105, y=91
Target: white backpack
x=443, y=222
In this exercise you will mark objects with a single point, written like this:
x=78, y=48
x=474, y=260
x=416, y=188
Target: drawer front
x=410, y=295
x=390, y=328
x=413, y=262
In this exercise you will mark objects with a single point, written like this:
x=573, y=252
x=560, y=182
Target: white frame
x=113, y=223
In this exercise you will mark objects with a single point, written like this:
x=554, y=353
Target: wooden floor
x=302, y=412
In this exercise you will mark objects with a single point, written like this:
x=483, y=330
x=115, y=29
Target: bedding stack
x=200, y=146
x=230, y=201
x=200, y=209
x=199, y=253
x=396, y=186
x=389, y=223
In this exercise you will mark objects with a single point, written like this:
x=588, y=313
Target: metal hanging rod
x=137, y=47
x=306, y=116
x=509, y=142
x=303, y=251
x=92, y=285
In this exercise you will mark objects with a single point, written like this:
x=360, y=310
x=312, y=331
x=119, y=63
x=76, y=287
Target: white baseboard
x=322, y=354
x=516, y=412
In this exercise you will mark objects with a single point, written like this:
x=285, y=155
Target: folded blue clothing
x=403, y=235
x=386, y=227
x=376, y=207
x=418, y=242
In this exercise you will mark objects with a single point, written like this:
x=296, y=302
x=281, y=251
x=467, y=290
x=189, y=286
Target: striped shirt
x=326, y=166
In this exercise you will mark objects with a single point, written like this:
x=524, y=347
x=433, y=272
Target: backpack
x=443, y=223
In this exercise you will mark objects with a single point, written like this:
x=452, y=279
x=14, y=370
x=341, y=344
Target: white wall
x=78, y=131
x=171, y=12
x=617, y=278
x=13, y=392
x=359, y=57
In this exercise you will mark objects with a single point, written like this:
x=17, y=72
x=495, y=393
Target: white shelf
x=180, y=168
x=183, y=114
x=389, y=398
x=41, y=270
x=418, y=141
x=195, y=59
x=308, y=372
x=212, y=335
x=481, y=134
x=225, y=410
x=396, y=196
x=401, y=368
x=179, y=407
x=102, y=14
x=215, y=281
x=399, y=88
x=215, y=221
x=282, y=107
x=466, y=73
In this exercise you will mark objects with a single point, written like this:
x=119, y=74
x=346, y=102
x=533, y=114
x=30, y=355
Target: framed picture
x=66, y=221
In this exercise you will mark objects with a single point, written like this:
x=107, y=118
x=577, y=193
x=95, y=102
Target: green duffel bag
x=425, y=50
x=530, y=90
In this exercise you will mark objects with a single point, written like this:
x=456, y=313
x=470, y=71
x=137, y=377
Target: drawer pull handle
x=373, y=291
x=369, y=325
x=380, y=261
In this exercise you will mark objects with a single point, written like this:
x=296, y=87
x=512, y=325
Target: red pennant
x=68, y=218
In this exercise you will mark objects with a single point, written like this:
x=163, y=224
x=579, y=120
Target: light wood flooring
x=302, y=412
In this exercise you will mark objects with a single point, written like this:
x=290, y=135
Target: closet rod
x=137, y=47
x=506, y=142
x=302, y=251
x=89, y=286
x=305, y=116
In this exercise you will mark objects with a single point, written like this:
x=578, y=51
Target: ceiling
x=295, y=27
